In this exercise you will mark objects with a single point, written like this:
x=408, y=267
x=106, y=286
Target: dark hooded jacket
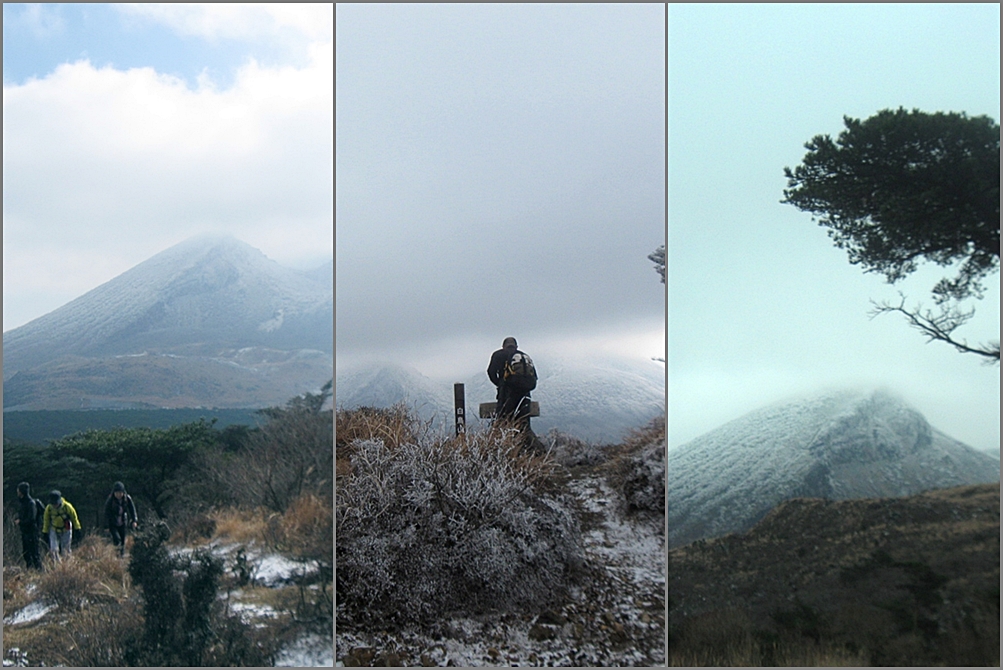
x=30, y=510
x=116, y=511
x=497, y=366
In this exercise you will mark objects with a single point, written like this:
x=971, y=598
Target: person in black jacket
x=513, y=393
x=29, y=519
x=120, y=514
x=496, y=373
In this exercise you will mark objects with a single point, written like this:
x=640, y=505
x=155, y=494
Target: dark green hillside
x=907, y=581
x=43, y=425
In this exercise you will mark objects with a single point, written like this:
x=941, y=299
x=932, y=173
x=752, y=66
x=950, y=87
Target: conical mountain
x=208, y=301
x=837, y=445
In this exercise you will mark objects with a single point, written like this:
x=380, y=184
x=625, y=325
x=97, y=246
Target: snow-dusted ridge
x=593, y=400
x=209, y=287
x=175, y=331
x=838, y=444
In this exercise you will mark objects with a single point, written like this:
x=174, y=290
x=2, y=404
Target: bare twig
x=940, y=326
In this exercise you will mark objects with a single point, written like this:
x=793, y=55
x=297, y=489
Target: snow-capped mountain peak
x=838, y=445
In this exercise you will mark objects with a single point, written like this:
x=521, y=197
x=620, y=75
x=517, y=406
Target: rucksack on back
x=39, y=512
x=520, y=372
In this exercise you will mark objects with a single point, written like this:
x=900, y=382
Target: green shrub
x=184, y=622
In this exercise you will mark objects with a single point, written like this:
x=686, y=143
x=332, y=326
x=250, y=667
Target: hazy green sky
x=761, y=305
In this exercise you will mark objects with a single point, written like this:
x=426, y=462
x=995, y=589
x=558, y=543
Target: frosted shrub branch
x=438, y=526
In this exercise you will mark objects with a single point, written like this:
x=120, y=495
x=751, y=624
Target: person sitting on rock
x=514, y=374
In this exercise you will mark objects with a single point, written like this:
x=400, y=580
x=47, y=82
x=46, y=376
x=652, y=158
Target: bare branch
x=940, y=326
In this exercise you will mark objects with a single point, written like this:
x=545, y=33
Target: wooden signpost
x=459, y=405
x=487, y=409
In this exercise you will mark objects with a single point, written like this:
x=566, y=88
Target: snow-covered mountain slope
x=385, y=384
x=209, y=322
x=595, y=401
x=205, y=290
x=837, y=445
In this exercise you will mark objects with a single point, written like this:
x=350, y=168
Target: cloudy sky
x=129, y=128
x=500, y=170
x=762, y=306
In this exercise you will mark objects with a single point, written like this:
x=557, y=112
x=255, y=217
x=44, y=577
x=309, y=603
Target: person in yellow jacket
x=59, y=521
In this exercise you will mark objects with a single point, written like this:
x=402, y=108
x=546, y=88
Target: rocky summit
x=209, y=322
x=836, y=445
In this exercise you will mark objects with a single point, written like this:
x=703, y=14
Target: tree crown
x=900, y=187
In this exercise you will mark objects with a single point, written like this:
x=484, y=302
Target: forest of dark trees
x=41, y=426
x=178, y=470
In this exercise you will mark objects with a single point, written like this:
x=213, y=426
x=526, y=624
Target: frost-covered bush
x=448, y=526
x=571, y=452
x=638, y=472
x=644, y=480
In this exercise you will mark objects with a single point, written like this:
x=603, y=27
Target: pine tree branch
x=939, y=326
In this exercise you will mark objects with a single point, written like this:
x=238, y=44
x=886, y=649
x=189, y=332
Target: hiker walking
x=29, y=518
x=513, y=372
x=59, y=521
x=120, y=514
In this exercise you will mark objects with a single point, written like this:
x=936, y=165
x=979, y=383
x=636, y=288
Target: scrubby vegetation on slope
x=910, y=581
x=426, y=528
x=170, y=602
x=473, y=541
x=233, y=567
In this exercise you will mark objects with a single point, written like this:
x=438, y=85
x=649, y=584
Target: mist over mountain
x=208, y=322
x=836, y=445
x=595, y=401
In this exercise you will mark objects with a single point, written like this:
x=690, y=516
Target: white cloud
x=118, y=165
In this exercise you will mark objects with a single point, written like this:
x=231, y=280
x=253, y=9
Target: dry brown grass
x=398, y=425
x=393, y=425
x=194, y=530
x=244, y=526
x=636, y=441
x=99, y=635
x=639, y=438
x=93, y=573
x=91, y=590
x=15, y=592
x=637, y=470
x=306, y=529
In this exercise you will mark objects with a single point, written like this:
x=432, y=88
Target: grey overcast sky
x=128, y=128
x=499, y=170
x=761, y=304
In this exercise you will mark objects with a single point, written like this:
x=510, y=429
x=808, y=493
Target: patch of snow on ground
x=30, y=612
x=310, y=651
x=249, y=612
x=274, y=569
x=269, y=570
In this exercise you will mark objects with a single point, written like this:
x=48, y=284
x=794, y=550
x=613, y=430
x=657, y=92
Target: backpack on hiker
x=520, y=373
